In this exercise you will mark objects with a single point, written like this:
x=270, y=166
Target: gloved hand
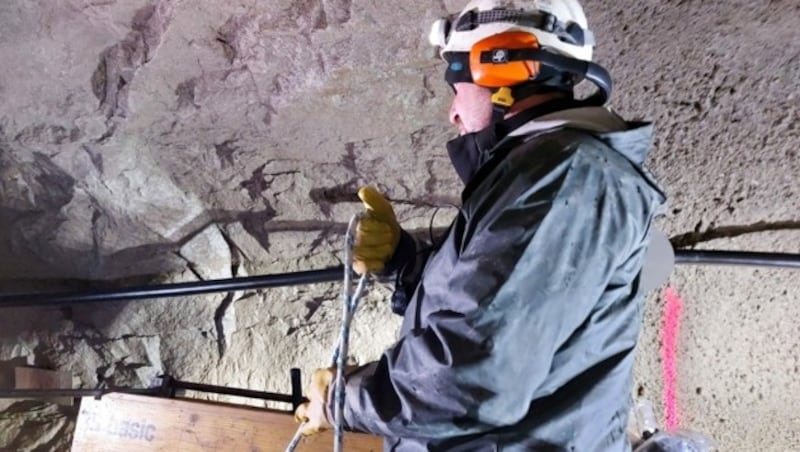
x=312, y=414
x=377, y=235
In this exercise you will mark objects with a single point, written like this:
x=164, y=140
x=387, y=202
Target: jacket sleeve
x=530, y=274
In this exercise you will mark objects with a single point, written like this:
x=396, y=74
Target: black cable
x=690, y=257
x=173, y=290
x=746, y=258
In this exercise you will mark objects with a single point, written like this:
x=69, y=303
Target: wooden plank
x=34, y=378
x=124, y=422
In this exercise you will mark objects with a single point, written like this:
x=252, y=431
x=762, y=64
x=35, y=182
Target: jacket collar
x=477, y=154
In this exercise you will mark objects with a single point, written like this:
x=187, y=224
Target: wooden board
x=124, y=422
x=33, y=378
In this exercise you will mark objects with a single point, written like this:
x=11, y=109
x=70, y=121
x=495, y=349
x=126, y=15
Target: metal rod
x=271, y=396
x=297, y=388
x=690, y=257
x=48, y=393
x=174, y=384
x=57, y=393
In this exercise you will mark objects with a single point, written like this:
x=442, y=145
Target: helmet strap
x=502, y=100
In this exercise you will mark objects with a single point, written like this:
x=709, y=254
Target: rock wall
x=169, y=140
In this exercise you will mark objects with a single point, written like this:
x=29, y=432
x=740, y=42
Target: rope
x=298, y=435
x=350, y=300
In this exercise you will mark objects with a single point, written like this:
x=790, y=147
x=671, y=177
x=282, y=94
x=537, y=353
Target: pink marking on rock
x=673, y=305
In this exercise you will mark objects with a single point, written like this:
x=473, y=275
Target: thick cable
x=737, y=258
x=682, y=257
x=173, y=290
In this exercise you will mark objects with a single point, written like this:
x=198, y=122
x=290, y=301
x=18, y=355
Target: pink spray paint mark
x=669, y=356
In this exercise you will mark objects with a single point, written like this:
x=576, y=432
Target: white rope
x=350, y=302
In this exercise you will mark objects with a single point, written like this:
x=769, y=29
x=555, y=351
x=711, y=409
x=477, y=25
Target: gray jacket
x=520, y=330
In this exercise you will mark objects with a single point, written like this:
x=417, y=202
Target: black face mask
x=470, y=151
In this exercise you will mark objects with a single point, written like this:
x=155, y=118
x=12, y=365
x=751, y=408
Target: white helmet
x=560, y=26
x=516, y=47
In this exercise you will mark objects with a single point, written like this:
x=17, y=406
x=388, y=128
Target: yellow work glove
x=312, y=413
x=377, y=235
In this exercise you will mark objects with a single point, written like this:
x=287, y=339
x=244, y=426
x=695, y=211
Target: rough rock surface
x=182, y=140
